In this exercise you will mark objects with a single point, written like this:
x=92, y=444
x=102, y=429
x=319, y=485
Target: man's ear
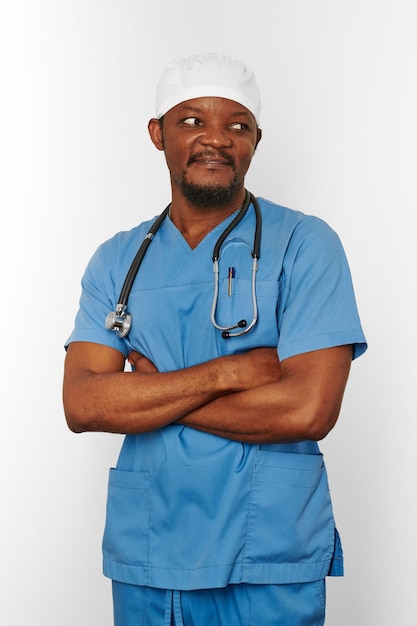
x=155, y=133
x=259, y=137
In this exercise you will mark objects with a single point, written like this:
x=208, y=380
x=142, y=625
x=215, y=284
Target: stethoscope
x=120, y=320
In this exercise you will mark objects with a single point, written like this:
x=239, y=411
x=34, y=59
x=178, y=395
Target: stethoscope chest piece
x=119, y=320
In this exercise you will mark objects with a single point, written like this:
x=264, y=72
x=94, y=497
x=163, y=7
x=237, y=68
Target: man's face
x=209, y=144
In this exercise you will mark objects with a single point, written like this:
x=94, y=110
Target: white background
x=338, y=81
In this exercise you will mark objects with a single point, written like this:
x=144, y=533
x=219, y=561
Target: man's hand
x=257, y=367
x=141, y=364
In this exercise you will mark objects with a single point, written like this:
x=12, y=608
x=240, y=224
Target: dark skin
x=212, y=133
x=248, y=397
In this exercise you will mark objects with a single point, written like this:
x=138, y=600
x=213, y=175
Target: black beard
x=209, y=195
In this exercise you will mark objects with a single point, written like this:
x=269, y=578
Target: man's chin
x=208, y=195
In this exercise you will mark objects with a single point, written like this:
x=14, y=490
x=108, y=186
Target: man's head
x=207, y=114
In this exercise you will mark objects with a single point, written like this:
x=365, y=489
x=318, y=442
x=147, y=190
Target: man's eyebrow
x=195, y=109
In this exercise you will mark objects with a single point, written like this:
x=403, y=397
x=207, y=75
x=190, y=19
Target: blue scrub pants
x=234, y=605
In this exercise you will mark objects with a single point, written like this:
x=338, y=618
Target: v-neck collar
x=214, y=233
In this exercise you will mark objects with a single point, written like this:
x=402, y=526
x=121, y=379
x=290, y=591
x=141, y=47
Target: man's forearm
x=98, y=398
x=253, y=416
x=303, y=404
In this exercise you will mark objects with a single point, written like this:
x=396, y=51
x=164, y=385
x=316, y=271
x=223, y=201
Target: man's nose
x=216, y=136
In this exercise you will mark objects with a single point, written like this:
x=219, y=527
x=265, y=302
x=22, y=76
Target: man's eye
x=192, y=121
x=239, y=126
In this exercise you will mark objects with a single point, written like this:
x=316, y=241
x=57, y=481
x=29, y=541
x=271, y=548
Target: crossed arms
x=249, y=397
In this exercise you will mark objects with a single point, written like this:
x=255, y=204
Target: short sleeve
x=98, y=297
x=317, y=303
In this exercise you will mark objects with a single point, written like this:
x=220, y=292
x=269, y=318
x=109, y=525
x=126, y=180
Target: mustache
x=209, y=154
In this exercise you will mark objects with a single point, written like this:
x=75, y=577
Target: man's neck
x=195, y=223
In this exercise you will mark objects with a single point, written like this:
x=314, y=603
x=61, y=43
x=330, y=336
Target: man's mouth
x=209, y=158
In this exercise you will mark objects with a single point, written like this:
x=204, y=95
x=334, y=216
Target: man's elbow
x=74, y=422
x=320, y=423
x=76, y=414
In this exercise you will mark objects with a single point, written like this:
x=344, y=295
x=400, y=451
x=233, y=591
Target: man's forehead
x=212, y=104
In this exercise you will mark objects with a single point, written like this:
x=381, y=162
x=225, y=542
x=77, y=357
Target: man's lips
x=215, y=162
x=211, y=159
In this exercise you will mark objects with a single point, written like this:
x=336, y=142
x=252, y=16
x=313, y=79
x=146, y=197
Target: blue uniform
x=188, y=510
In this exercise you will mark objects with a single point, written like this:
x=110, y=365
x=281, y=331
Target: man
x=218, y=511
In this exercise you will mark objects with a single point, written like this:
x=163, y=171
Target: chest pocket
x=236, y=302
x=238, y=306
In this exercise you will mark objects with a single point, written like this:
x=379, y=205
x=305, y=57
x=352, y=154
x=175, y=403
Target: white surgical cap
x=207, y=75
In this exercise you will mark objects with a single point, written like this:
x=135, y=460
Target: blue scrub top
x=190, y=510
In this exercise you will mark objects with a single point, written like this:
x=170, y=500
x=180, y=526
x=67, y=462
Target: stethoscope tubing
x=137, y=261
x=120, y=320
x=226, y=334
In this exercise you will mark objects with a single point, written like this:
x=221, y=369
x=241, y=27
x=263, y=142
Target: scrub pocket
x=240, y=306
x=290, y=512
x=126, y=535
